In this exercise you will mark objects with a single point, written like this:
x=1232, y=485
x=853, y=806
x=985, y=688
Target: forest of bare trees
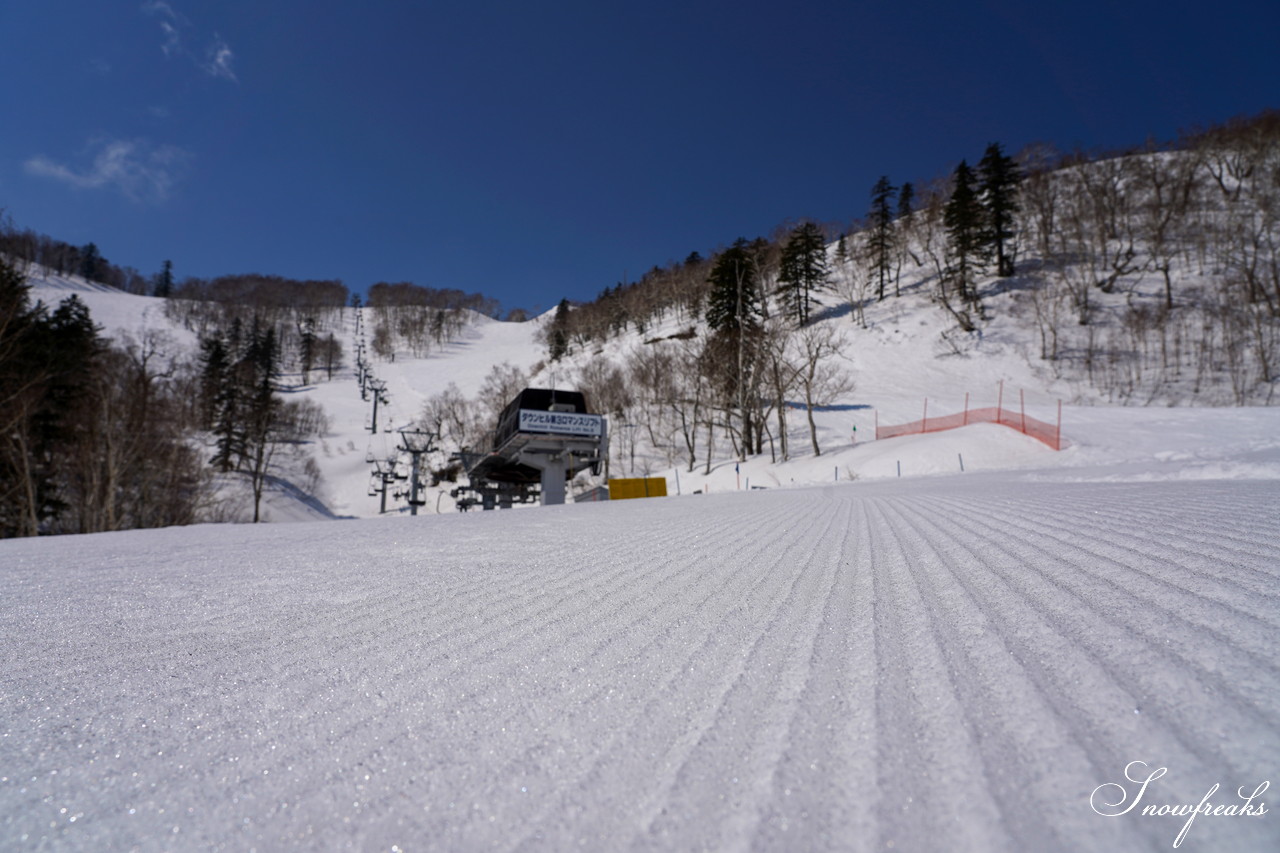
x=26, y=248
x=1148, y=275
x=413, y=318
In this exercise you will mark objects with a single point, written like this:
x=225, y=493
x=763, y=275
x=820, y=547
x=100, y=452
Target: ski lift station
x=543, y=438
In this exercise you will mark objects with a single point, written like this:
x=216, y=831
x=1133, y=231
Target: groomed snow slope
x=930, y=664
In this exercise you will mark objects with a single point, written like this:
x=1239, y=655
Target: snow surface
x=848, y=660
x=932, y=664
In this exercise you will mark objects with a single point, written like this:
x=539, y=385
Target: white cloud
x=140, y=171
x=218, y=58
x=159, y=7
x=169, y=24
x=172, y=41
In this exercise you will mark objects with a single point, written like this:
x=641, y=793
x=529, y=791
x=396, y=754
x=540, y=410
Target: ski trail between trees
x=940, y=665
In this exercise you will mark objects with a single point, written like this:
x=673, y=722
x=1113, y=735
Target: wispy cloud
x=138, y=170
x=170, y=21
x=159, y=7
x=172, y=41
x=217, y=57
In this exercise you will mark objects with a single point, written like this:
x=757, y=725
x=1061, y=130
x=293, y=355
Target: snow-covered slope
x=941, y=661
x=898, y=364
x=963, y=664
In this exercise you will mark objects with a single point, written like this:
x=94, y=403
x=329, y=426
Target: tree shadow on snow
x=839, y=407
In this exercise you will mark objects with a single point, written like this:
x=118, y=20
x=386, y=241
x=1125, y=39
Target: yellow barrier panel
x=623, y=488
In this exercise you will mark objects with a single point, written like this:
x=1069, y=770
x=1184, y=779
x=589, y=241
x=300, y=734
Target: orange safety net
x=1048, y=433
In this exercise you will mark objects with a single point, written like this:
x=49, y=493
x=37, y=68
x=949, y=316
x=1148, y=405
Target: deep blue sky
x=534, y=150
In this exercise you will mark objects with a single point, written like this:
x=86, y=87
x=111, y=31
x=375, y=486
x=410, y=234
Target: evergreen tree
x=999, y=177
x=306, y=347
x=227, y=386
x=906, y=210
x=734, y=315
x=227, y=428
x=21, y=378
x=214, y=367
x=906, y=201
x=14, y=296
x=881, y=242
x=70, y=344
x=67, y=346
x=965, y=221
x=263, y=415
x=90, y=439
x=734, y=301
x=164, y=280
x=803, y=269
x=91, y=263
x=558, y=340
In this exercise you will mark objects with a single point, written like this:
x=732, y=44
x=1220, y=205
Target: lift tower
x=543, y=438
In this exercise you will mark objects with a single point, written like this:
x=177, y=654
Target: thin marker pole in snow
x=1022, y=401
x=899, y=467
x=966, y=408
x=961, y=455
x=924, y=422
x=677, y=481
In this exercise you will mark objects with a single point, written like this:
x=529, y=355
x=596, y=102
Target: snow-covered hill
x=899, y=363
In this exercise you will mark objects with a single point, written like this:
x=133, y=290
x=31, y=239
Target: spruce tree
x=803, y=269
x=906, y=201
x=881, y=242
x=306, y=347
x=999, y=177
x=734, y=315
x=91, y=263
x=734, y=301
x=164, y=280
x=47, y=367
x=213, y=373
x=262, y=423
x=964, y=218
x=230, y=385
x=906, y=210
x=68, y=348
x=558, y=340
